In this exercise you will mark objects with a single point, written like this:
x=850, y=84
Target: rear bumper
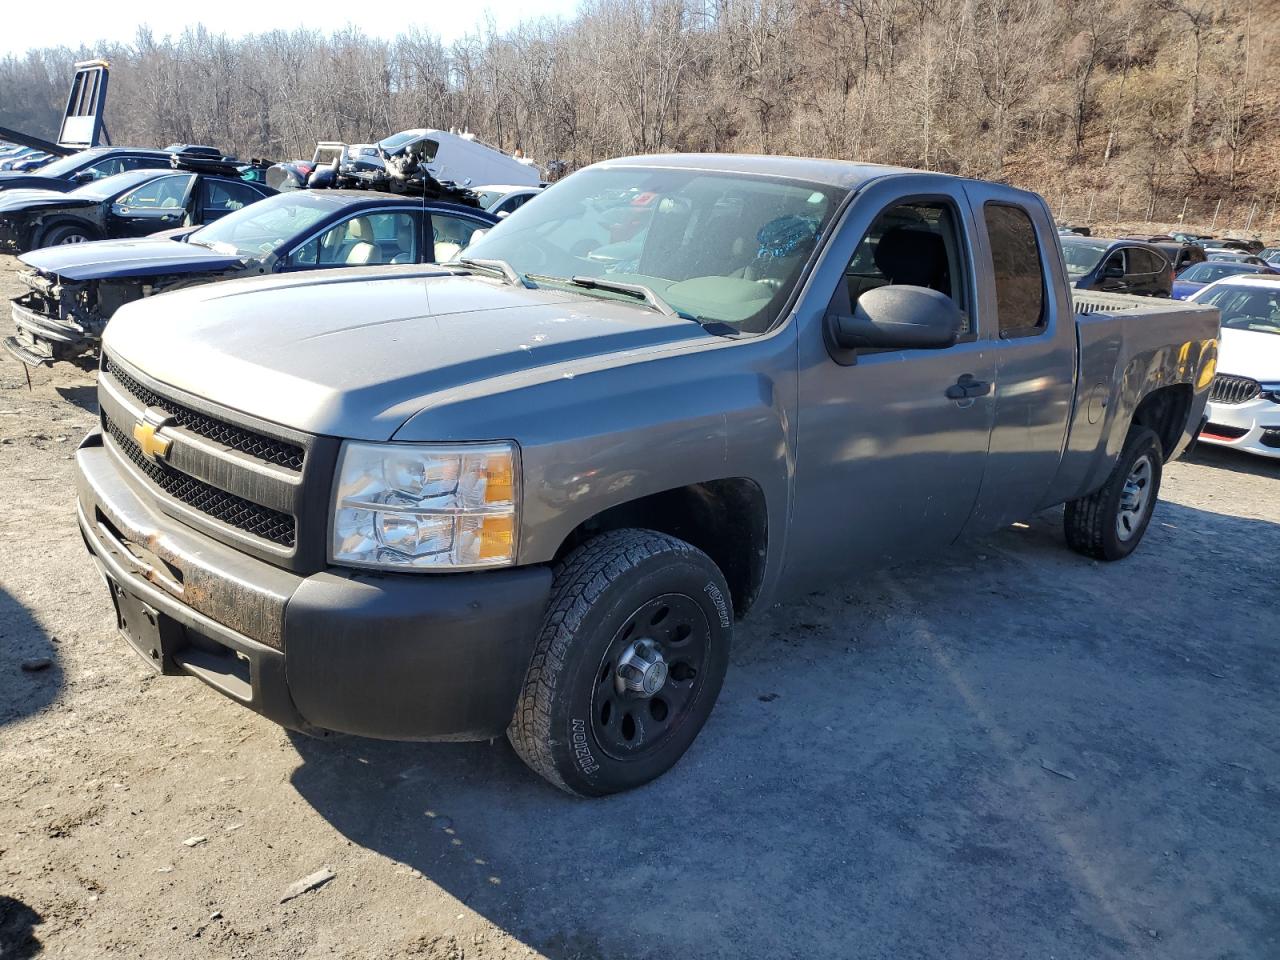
x=391, y=656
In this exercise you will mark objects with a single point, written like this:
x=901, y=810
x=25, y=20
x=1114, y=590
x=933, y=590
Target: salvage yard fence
x=1256, y=215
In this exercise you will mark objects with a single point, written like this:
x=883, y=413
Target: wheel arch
x=43, y=227
x=726, y=519
x=1165, y=410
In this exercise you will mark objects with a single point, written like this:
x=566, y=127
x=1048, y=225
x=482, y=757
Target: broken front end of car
x=60, y=319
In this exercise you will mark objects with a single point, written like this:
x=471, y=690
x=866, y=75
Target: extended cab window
x=916, y=243
x=1016, y=270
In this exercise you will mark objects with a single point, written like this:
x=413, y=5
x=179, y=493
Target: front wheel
x=628, y=663
x=1110, y=522
x=67, y=233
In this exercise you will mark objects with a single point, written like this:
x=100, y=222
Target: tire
x=1106, y=525
x=628, y=663
x=66, y=233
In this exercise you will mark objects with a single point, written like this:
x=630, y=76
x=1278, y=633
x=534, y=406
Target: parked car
x=1181, y=255
x=1198, y=275
x=1117, y=266
x=1231, y=244
x=73, y=291
x=407, y=503
x=503, y=200
x=24, y=158
x=125, y=205
x=1244, y=403
x=1234, y=256
x=67, y=173
x=1270, y=254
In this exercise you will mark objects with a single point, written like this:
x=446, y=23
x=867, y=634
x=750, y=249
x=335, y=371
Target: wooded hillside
x=1113, y=108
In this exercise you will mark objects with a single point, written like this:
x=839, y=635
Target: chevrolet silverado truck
x=531, y=491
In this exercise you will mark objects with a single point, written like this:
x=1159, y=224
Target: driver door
x=159, y=204
x=888, y=464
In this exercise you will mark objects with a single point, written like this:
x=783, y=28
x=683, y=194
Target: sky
x=73, y=22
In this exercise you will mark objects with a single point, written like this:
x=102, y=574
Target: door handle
x=966, y=388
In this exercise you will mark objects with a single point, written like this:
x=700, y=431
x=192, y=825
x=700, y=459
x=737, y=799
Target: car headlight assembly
x=1270, y=391
x=425, y=506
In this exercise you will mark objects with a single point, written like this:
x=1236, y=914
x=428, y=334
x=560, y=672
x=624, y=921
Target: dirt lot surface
x=1007, y=752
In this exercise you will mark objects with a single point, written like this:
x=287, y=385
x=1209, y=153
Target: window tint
x=165, y=192
x=1144, y=261
x=452, y=234
x=372, y=239
x=1015, y=261
x=223, y=196
x=915, y=243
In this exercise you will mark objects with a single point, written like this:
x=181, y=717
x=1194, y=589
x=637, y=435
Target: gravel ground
x=1007, y=752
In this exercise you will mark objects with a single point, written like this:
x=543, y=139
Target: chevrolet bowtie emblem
x=153, y=446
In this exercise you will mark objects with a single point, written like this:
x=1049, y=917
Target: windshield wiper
x=637, y=290
x=498, y=268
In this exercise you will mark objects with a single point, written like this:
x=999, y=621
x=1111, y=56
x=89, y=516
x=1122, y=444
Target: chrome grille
x=232, y=476
x=1230, y=389
x=279, y=452
x=226, y=507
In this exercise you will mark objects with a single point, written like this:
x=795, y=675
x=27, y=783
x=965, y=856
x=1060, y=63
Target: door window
x=163, y=193
x=377, y=238
x=451, y=234
x=916, y=243
x=220, y=197
x=1016, y=270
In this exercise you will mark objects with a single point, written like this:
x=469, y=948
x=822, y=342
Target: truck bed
x=1128, y=346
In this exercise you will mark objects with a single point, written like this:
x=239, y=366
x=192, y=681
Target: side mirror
x=1113, y=271
x=895, y=318
x=85, y=176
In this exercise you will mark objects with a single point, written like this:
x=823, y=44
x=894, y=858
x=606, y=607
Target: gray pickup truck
x=531, y=491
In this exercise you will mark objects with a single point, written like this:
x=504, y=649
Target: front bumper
x=40, y=338
x=1253, y=426
x=392, y=656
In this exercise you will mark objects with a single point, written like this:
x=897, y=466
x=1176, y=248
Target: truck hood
x=107, y=259
x=356, y=353
x=1248, y=353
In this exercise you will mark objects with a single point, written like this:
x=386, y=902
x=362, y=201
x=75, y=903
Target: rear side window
x=1144, y=261
x=1019, y=278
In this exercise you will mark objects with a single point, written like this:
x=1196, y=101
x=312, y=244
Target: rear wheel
x=629, y=662
x=1110, y=522
x=66, y=233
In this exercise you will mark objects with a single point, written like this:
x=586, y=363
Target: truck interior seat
x=915, y=257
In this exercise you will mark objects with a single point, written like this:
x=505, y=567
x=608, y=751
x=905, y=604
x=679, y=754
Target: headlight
x=1271, y=391
x=425, y=506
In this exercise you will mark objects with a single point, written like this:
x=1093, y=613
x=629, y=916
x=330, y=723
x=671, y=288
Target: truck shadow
x=24, y=645
x=17, y=930
x=984, y=749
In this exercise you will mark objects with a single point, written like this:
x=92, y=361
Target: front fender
x=629, y=428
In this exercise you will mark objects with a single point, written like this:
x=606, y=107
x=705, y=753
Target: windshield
x=1210, y=271
x=489, y=197
x=263, y=227
x=1082, y=256
x=719, y=247
x=66, y=166
x=1247, y=309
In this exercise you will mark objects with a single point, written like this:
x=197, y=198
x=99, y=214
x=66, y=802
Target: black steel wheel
x=628, y=664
